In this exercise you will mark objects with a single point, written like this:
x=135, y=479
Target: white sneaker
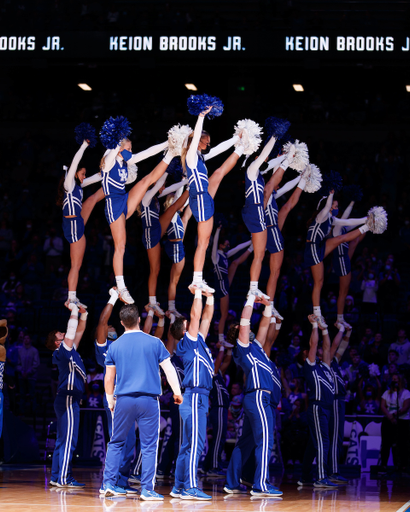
x=226, y=344
x=321, y=322
x=176, y=313
x=200, y=286
x=76, y=302
x=276, y=314
x=156, y=309
x=347, y=326
x=258, y=293
x=124, y=296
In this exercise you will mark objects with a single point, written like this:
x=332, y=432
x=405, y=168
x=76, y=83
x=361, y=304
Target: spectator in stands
x=402, y=347
x=369, y=288
x=294, y=347
x=369, y=398
x=95, y=398
x=53, y=250
x=376, y=351
x=27, y=370
x=354, y=371
x=389, y=280
x=395, y=407
x=351, y=313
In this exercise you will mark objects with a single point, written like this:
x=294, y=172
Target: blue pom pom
x=85, y=131
x=200, y=102
x=353, y=193
x=276, y=127
x=113, y=131
x=175, y=169
x=332, y=181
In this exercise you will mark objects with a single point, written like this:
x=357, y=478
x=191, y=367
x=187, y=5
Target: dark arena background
x=82, y=61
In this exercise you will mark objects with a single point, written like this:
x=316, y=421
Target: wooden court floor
x=28, y=489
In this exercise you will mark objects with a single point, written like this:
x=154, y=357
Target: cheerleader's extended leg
x=154, y=257
x=344, y=284
x=77, y=250
x=176, y=271
x=89, y=204
x=318, y=274
x=224, y=307
x=259, y=246
x=119, y=236
x=275, y=264
x=139, y=190
x=332, y=243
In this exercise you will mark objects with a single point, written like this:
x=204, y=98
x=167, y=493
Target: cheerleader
x=202, y=190
x=119, y=204
x=154, y=227
x=275, y=242
x=337, y=419
x=174, y=248
x=253, y=213
x=75, y=216
x=318, y=246
x=259, y=423
x=224, y=273
x=341, y=263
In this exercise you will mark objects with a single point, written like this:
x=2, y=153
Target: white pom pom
x=250, y=133
x=301, y=158
x=313, y=178
x=177, y=138
x=132, y=173
x=374, y=370
x=377, y=220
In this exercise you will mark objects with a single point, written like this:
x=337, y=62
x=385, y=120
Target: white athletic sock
x=152, y=299
x=197, y=277
x=171, y=305
x=221, y=337
x=340, y=318
x=254, y=286
x=72, y=295
x=120, y=282
x=317, y=311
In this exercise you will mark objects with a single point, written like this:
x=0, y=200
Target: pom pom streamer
x=178, y=138
x=114, y=131
x=85, y=131
x=276, y=127
x=377, y=220
x=353, y=193
x=175, y=169
x=250, y=133
x=374, y=370
x=132, y=173
x=332, y=181
x=313, y=178
x=301, y=158
x=200, y=102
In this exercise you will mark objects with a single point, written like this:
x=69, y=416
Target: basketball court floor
x=28, y=489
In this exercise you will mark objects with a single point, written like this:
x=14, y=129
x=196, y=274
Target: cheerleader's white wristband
x=239, y=150
x=221, y=348
x=314, y=325
x=84, y=316
x=342, y=328
x=210, y=301
x=273, y=320
x=245, y=321
x=324, y=332
x=347, y=334
x=113, y=300
x=267, y=311
x=198, y=294
x=110, y=400
x=168, y=157
x=278, y=326
x=151, y=313
x=161, y=322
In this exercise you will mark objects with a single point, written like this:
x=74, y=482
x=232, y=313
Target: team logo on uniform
x=123, y=173
x=329, y=377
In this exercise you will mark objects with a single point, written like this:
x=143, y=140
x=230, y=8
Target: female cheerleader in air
x=154, y=227
x=202, y=190
x=120, y=205
x=341, y=264
x=253, y=213
x=75, y=216
x=174, y=247
x=318, y=246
